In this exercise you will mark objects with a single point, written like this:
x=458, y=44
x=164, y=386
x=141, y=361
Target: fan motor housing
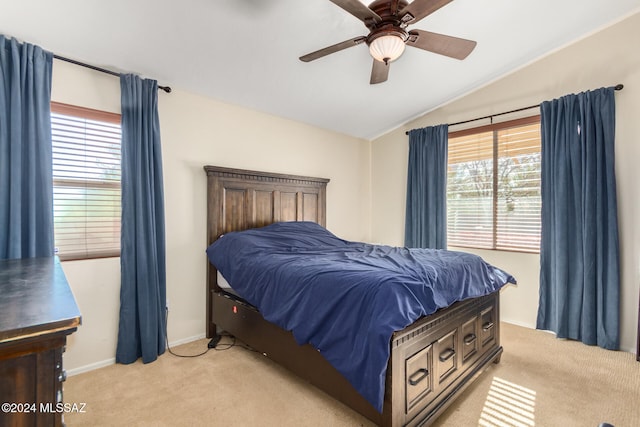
x=391, y=24
x=389, y=30
x=387, y=10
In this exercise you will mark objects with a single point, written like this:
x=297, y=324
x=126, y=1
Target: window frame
x=495, y=128
x=95, y=115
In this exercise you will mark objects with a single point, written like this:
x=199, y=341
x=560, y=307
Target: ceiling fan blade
x=359, y=10
x=418, y=9
x=332, y=49
x=379, y=72
x=452, y=47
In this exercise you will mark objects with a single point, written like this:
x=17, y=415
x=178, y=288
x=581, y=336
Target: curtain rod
x=167, y=89
x=616, y=87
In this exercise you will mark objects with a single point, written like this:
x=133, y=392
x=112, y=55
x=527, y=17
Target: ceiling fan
x=387, y=21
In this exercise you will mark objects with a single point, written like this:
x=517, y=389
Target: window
x=493, y=186
x=86, y=182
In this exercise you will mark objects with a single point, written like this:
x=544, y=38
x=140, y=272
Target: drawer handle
x=487, y=326
x=447, y=354
x=418, y=376
x=469, y=339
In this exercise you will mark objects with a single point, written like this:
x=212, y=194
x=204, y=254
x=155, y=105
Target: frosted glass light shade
x=386, y=48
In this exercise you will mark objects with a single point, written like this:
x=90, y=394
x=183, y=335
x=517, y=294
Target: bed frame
x=432, y=361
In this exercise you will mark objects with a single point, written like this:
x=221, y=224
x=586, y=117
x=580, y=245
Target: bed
x=430, y=362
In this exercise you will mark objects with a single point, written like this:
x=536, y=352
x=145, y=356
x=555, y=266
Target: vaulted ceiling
x=246, y=52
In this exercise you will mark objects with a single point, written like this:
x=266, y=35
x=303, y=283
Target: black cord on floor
x=219, y=347
x=166, y=339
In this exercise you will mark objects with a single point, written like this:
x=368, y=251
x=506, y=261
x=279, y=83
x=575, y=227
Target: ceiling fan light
x=386, y=48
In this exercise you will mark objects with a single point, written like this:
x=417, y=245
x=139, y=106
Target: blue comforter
x=346, y=298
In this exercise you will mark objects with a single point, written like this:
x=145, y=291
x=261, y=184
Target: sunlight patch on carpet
x=508, y=405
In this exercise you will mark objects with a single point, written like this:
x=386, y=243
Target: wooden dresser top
x=35, y=299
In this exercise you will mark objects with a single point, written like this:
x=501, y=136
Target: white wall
x=603, y=59
x=195, y=132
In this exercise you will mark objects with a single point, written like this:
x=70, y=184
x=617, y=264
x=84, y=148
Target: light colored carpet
x=540, y=381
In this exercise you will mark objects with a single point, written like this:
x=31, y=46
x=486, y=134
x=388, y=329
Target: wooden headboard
x=241, y=199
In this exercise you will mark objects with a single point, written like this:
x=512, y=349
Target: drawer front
x=435, y=359
x=446, y=356
x=470, y=341
x=488, y=327
x=418, y=376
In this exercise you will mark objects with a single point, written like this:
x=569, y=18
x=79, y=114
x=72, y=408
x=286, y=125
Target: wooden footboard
x=437, y=357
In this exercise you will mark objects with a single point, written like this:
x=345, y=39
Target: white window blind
x=493, y=187
x=86, y=182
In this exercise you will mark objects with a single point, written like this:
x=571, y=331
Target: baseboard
x=107, y=362
x=187, y=340
x=511, y=322
x=90, y=367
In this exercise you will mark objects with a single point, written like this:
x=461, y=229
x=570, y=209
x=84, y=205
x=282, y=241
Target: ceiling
x=245, y=52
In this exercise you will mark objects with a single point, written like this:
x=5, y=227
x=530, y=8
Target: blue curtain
x=426, y=210
x=142, y=259
x=579, y=263
x=26, y=171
